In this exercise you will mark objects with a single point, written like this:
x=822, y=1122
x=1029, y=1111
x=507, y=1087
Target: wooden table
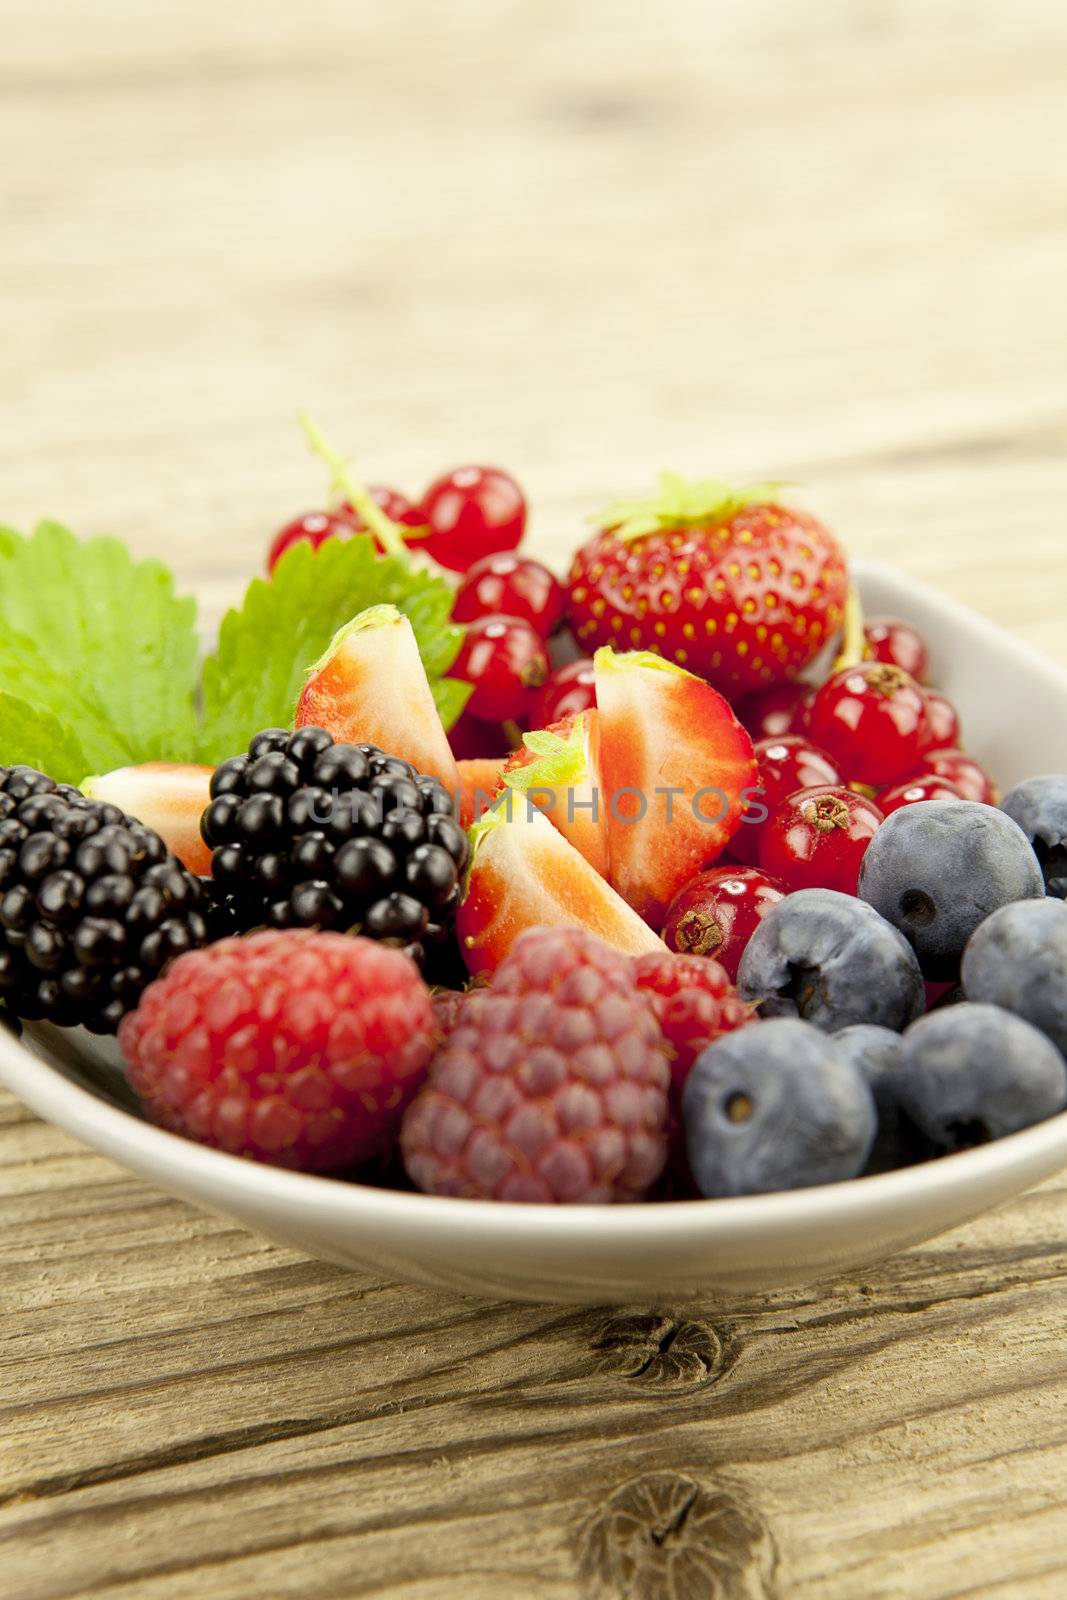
x=825, y=243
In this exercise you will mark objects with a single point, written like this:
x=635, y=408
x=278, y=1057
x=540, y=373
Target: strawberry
x=371, y=688
x=168, y=796
x=675, y=769
x=556, y=768
x=480, y=781
x=731, y=584
x=524, y=874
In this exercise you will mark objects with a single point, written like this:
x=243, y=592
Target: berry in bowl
x=717, y=969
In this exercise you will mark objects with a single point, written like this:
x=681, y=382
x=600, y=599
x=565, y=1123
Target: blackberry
x=307, y=833
x=92, y=904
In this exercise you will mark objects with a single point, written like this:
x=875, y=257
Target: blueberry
x=937, y=870
x=831, y=960
x=1018, y=959
x=775, y=1106
x=875, y=1053
x=975, y=1073
x=1039, y=806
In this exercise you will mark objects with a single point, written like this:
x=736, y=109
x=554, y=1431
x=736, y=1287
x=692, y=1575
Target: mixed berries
x=700, y=894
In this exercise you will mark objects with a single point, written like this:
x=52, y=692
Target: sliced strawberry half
x=556, y=768
x=168, y=796
x=371, y=688
x=480, y=781
x=524, y=874
x=674, y=766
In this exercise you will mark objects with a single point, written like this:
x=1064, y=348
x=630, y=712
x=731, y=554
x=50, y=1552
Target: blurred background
x=587, y=240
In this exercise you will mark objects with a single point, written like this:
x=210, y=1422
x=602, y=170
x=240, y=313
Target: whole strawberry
x=730, y=584
x=552, y=1085
x=295, y=1048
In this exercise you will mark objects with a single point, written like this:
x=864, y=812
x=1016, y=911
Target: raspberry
x=694, y=1002
x=552, y=1086
x=296, y=1048
x=447, y=1006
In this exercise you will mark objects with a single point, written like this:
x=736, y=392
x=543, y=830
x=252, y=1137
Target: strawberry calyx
x=344, y=485
x=682, y=503
x=479, y=831
x=608, y=659
x=559, y=758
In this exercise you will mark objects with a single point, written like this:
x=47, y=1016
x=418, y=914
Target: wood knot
x=667, y=1536
x=661, y=1350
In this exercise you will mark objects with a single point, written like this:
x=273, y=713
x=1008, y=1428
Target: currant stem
x=852, y=639
x=344, y=481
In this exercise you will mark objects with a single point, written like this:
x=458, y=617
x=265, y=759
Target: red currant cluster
x=471, y=521
x=834, y=761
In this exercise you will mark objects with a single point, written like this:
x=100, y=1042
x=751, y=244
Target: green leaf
x=101, y=642
x=450, y=696
x=32, y=737
x=254, y=678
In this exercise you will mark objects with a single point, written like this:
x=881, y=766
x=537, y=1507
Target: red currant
x=513, y=586
x=472, y=740
x=942, y=722
x=504, y=658
x=871, y=720
x=472, y=512
x=718, y=912
x=968, y=775
x=774, y=711
x=939, y=995
x=565, y=693
x=925, y=786
x=817, y=839
x=784, y=765
x=313, y=528
x=896, y=643
x=397, y=507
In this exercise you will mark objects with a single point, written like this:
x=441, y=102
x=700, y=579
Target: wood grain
x=824, y=243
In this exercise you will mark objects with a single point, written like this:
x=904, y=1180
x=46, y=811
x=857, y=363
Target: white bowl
x=1014, y=706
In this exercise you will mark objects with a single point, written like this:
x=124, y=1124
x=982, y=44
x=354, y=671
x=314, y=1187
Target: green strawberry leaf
x=32, y=737
x=682, y=502
x=98, y=654
x=255, y=677
x=99, y=640
x=450, y=697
